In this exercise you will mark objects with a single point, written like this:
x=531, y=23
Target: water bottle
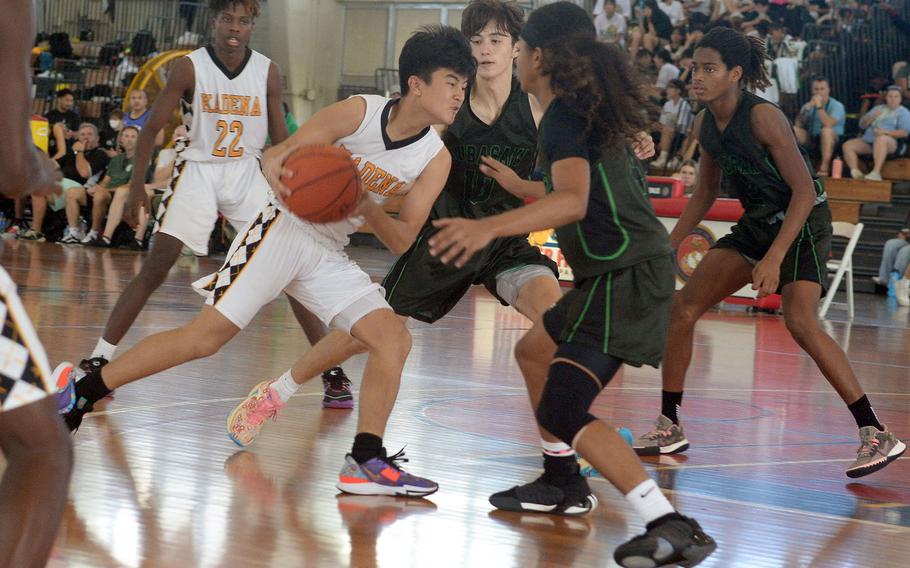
x=892, y=283
x=837, y=168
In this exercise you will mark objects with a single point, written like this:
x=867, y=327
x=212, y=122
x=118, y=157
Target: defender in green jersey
x=780, y=244
x=596, y=196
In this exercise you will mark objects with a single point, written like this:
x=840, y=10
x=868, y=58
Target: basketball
x=325, y=186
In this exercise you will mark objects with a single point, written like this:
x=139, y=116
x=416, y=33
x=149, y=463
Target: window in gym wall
x=365, y=38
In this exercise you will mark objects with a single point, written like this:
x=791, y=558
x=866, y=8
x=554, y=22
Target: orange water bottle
x=837, y=168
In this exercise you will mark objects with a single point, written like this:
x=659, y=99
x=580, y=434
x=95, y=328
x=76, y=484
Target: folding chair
x=842, y=266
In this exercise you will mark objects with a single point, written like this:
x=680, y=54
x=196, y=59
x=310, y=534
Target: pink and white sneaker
x=245, y=422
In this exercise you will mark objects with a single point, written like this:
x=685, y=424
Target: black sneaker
x=337, y=388
x=86, y=366
x=574, y=498
x=100, y=242
x=670, y=540
x=73, y=418
x=134, y=245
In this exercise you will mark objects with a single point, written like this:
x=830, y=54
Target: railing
x=96, y=53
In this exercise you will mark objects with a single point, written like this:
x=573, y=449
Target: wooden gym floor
x=157, y=483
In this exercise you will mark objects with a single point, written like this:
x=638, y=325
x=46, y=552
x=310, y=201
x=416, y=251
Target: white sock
x=104, y=349
x=285, y=386
x=649, y=502
x=556, y=449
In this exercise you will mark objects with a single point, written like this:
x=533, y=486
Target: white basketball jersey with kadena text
x=229, y=112
x=387, y=168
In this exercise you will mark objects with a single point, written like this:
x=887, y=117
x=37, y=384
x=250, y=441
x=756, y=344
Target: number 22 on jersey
x=224, y=128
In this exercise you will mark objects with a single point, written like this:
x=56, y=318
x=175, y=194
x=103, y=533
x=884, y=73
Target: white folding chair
x=842, y=266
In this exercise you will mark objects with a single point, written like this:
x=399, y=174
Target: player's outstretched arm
x=181, y=81
x=399, y=234
x=325, y=127
x=23, y=170
x=459, y=239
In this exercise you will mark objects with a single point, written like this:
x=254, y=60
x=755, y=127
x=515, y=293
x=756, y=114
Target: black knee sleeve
x=577, y=375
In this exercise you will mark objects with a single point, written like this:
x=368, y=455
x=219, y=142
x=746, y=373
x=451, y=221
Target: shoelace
x=868, y=448
x=655, y=434
x=265, y=410
x=337, y=379
x=395, y=459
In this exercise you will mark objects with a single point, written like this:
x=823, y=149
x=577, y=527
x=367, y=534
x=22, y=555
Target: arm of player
x=703, y=197
x=325, y=127
x=509, y=180
x=459, y=238
x=23, y=169
x=182, y=80
x=278, y=128
x=772, y=130
x=399, y=234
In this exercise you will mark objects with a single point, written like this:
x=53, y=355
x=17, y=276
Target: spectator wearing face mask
x=110, y=133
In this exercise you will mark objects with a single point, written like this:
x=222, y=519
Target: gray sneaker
x=665, y=438
x=876, y=450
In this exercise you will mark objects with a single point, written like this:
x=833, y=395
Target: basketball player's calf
x=39, y=459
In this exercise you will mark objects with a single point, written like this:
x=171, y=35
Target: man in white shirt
x=611, y=25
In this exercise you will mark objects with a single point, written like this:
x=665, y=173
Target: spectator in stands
x=796, y=17
x=110, y=132
x=85, y=165
x=139, y=113
x=675, y=121
x=64, y=122
x=666, y=71
x=654, y=28
x=610, y=24
x=645, y=64
x=820, y=123
x=677, y=42
x=688, y=173
x=139, y=109
x=874, y=93
x=757, y=14
x=674, y=10
x=886, y=129
x=113, y=190
x=39, y=210
x=895, y=257
x=900, y=71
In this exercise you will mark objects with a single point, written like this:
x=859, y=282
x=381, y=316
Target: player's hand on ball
x=273, y=167
x=766, y=276
x=459, y=239
x=643, y=146
x=501, y=173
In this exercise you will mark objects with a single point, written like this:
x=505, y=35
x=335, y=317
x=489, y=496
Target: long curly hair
x=597, y=81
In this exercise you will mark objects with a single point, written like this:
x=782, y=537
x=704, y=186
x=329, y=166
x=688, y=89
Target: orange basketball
x=325, y=186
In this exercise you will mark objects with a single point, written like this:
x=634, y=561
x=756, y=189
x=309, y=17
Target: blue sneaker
x=65, y=384
x=382, y=476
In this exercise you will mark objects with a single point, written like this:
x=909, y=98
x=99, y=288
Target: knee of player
x=801, y=328
x=684, y=311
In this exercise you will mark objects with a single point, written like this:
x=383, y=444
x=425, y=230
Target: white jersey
x=229, y=115
x=386, y=168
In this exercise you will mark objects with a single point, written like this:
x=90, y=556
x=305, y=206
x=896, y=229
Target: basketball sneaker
x=382, y=476
x=337, y=388
x=541, y=496
x=670, y=540
x=245, y=422
x=665, y=438
x=66, y=387
x=877, y=449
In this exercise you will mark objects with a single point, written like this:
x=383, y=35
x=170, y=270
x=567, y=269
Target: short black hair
x=819, y=78
x=216, y=6
x=432, y=48
x=64, y=92
x=665, y=55
x=507, y=15
x=677, y=84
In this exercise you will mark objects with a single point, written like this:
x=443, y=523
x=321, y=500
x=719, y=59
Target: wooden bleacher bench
x=846, y=196
x=897, y=170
